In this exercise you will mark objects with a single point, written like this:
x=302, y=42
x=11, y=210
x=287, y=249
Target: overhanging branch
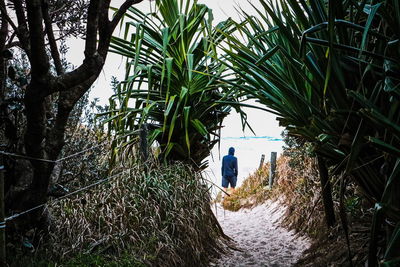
x=39, y=60
x=94, y=58
x=91, y=28
x=6, y=17
x=22, y=31
x=52, y=40
x=121, y=11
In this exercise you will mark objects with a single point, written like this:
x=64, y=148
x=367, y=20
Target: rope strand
x=48, y=160
x=12, y=217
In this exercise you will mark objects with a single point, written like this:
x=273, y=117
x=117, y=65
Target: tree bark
x=3, y=40
x=326, y=191
x=41, y=140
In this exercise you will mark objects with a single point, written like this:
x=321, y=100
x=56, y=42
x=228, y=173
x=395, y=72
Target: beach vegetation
x=173, y=81
x=252, y=192
x=158, y=216
x=327, y=69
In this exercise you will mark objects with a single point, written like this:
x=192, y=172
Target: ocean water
x=248, y=150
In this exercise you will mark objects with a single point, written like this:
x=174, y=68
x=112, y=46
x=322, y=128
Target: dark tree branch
x=17, y=43
x=79, y=81
x=72, y=79
x=326, y=192
x=22, y=31
x=121, y=11
x=34, y=101
x=66, y=103
x=105, y=31
x=5, y=18
x=3, y=39
x=104, y=43
x=12, y=44
x=91, y=28
x=39, y=60
x=19, y=10
x=104, y=21
x=12, y=37
x=52, y=40
x=94, y=60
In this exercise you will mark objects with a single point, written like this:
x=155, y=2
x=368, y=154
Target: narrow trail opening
x=259, y=236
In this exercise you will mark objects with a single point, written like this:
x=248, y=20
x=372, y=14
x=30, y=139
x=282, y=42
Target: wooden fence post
x=272, y=169
x=143, y=146
x=262, y=161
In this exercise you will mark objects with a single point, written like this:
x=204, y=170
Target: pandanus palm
x=330, y=71
x=173, y=80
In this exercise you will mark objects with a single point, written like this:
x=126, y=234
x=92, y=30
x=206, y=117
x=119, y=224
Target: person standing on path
x=229, y=170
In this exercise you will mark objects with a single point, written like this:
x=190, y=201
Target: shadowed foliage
x=330, y=71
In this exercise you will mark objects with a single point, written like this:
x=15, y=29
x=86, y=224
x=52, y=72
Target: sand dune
x=258, y=234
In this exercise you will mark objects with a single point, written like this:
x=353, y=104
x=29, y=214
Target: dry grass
x=252, y=192
x=299, y=189
x=296, y=185
x=158, y=218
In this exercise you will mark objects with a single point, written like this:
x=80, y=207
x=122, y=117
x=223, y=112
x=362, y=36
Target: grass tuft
x=299, y=188
x=159, y=217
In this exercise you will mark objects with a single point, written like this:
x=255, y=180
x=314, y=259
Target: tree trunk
x=44, y=137
x=326, y=191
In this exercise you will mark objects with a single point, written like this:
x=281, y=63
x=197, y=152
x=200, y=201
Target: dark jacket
x=230, y=164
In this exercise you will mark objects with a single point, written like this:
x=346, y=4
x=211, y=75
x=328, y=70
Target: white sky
x=264, y=124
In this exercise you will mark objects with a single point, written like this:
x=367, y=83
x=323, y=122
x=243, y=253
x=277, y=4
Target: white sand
x=258, y=234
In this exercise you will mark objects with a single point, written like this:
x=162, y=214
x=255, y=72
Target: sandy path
x=258, y=234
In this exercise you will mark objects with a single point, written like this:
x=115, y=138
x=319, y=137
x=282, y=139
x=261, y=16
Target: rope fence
x=3, y=224
x=85, y=188
x=12, y=217
x=214, y=184
x=48, y=160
